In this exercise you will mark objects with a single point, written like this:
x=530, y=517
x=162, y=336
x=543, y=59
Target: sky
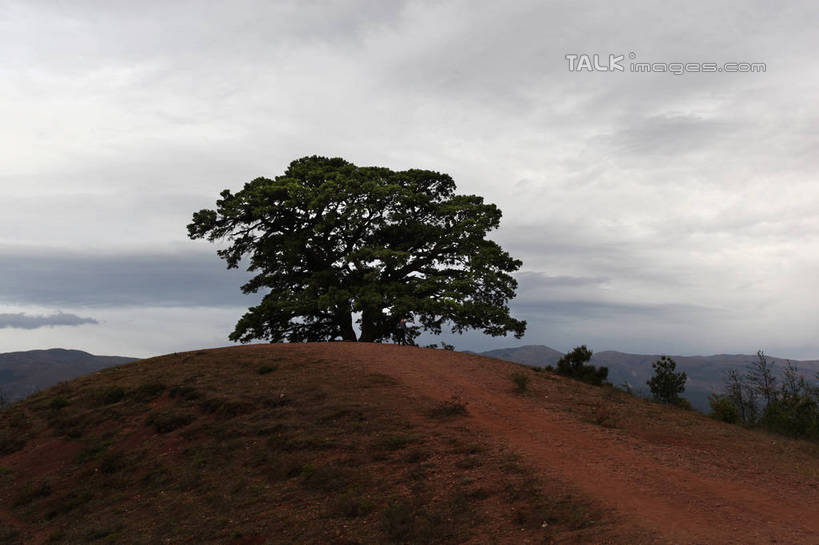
x=654, y=212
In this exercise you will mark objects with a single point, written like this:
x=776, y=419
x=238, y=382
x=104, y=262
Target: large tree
x=331, y=242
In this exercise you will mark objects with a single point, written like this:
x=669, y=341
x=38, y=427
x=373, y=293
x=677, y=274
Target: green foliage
x=792, y=409
x=666, y=385
x=57, y=403
x=29, y=495
x=329, y=240
x=723, y=409
x=521, y=381
x=449, y=409
x=112, y=395
x=742, y=396
x=147, y=392
x=575, y=365
x=165, y=421
x=184, y=392
x=794, y=416
x=761, y=378
x=265, y=369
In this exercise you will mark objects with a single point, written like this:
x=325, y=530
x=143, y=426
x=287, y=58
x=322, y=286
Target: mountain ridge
x=705, y=373
x=27, y=371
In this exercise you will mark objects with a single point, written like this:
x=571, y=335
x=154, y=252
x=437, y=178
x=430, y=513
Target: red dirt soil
x=673, y=473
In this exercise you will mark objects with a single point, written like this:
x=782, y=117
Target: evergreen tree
x=667, y=385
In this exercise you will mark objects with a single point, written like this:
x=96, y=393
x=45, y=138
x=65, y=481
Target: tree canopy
x=666, y=384
x=331, y=242
x=575, y=364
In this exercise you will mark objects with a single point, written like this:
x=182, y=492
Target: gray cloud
x=24, y=321
x=644, y=199
x=187, y=279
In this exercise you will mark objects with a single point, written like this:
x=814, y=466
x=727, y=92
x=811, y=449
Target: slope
x=360, y=443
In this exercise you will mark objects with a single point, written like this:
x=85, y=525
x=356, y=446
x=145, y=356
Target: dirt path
x=683, y=493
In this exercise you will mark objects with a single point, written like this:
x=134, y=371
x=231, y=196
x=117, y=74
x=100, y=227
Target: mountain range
x=705, y=373
x=23, y=373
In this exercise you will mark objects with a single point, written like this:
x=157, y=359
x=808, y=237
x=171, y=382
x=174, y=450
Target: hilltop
x=346, y=443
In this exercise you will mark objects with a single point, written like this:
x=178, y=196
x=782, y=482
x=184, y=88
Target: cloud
x=38, y=276
x=24, y=321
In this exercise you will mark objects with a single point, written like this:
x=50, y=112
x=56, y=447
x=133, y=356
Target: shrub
x=352, y=505
x=395, y=442
x=448, y=409
x=575, y=365
x=265, y=369
x=112, y=395
x=521, y=381
x=29, y=495
x=723, y=409
x=167, y=421
x=792, y=416
x=10, y=443
x=185, y=392
x=148, y=392
x=58, y=403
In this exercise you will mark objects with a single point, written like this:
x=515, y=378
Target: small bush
x=112, y=395
x=10, y=443
x=167, y=421
x=112, y=462
x=43, y=490
x=226, y=407
x=521, y=381
x=417, y=456
x=353, y=505
x=147, y=392
x=265, y=369
x=185, y=392
x=58, y=403
x=9, y=535
x=398, y=518
x=449, y=409
x=395, y=442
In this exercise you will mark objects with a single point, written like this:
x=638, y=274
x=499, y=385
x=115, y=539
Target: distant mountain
x=534, y=355
x=23, y=373
x=705, y=373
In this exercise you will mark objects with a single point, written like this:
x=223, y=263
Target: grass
x=209, y=453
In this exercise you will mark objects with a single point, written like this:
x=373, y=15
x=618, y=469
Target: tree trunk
x=370, y=325
x=346, y=324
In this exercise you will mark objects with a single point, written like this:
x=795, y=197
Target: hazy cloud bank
x=23, y=321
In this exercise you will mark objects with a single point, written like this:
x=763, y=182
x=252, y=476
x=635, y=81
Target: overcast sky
x=653, y=212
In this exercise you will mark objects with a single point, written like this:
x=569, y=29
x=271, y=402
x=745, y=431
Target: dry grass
x=254, y=445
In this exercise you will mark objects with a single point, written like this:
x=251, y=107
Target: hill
x=352, y=443
x=22, y=373
x=534, y=355
x=705, y=373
